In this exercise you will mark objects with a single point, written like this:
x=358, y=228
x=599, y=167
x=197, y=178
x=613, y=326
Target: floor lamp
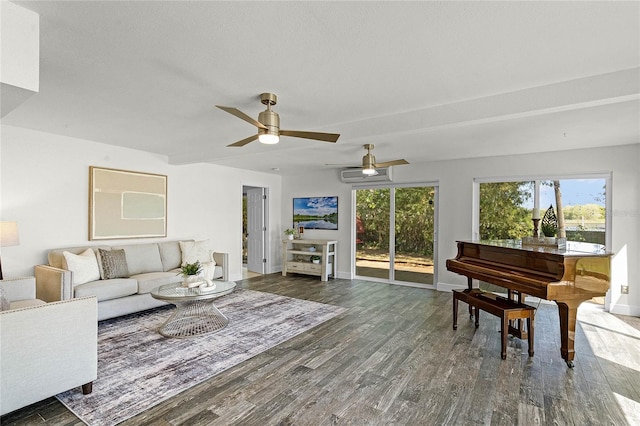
x=8, y=237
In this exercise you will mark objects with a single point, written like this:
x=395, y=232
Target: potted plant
x=315, y=259
x=190, y=272
x=289, y=232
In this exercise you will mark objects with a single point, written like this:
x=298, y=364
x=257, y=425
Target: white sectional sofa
x=45, y=348
x=149, y=265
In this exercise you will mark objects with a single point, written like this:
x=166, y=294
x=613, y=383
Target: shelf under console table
x=296, y=257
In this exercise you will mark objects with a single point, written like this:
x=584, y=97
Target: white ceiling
x=423, y=81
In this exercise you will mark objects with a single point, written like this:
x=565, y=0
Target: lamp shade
x=9, y=234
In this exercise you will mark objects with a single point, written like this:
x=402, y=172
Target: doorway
x=254, y=228
x=395, y=236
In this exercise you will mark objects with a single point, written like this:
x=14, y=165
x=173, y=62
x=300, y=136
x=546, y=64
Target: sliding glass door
x=372, y=232
x=395, y=234
x=414, y=232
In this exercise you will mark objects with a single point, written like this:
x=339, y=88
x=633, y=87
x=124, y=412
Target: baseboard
x=632, y=311
x=449, y=287
x=343, y=275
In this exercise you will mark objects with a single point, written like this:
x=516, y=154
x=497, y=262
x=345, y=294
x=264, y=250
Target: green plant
x=290, y=231
x=314, y=257
x=189, y=269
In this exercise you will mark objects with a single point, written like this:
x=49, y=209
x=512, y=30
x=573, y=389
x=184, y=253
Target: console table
x=297, y=254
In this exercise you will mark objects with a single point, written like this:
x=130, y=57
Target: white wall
x=322, y=184
x=455, y=205
x=45, y=187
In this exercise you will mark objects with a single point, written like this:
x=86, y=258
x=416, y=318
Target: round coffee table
x=195, y=312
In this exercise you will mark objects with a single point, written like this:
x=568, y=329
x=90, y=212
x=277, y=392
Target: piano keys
x=568, y=276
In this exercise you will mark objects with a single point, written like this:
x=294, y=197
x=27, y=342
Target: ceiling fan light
x=268, y=139
x=369, y=171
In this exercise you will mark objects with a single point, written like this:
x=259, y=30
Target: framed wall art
x=126, y=204
x=315, y=213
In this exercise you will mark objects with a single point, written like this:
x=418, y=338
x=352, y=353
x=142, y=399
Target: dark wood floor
x=393, y=359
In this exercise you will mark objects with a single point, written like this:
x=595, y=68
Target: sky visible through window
x=575, y=192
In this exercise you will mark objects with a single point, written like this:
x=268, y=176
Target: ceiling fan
x=369, y=164
x=268, y=125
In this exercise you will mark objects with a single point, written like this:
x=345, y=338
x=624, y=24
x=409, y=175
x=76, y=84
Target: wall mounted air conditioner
x=356, y=176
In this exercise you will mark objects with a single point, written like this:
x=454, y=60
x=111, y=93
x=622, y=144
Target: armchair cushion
x=26, y=303
x=19, y=288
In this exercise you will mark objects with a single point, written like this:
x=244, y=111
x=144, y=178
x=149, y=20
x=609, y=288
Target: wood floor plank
x=393, y=359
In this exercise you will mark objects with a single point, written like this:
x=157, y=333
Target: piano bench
x=499, y=306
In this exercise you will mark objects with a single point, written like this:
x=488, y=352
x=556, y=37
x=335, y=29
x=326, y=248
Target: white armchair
x=20, y=292
x=45, y=348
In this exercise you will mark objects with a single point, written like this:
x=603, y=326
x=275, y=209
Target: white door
x=255, y=229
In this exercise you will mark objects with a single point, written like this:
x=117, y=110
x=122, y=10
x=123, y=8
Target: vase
x=190, y=281
x=290, y=237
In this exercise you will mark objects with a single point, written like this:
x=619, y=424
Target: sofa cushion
x=170, y=254
x=107, y=289
x=195, y=251
x=151, y=280
x=114, y=264
x=142, y=258
x=84, y=266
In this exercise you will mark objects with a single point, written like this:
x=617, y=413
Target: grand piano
x=567, y=276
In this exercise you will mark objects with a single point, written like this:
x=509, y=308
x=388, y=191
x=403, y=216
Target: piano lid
x=572, y=248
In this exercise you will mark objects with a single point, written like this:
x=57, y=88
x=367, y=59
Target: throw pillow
x=4, y=302
x=195, y=251
x=84, y=266
x=114, y=264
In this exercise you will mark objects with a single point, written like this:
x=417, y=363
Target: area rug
x=138, y=368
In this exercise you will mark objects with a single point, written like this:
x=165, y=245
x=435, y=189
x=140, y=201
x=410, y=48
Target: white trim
x=606, y=175
x=633, y=311
x=449, y=287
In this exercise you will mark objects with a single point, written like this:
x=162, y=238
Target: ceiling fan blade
x=326, y=137
x=392, y=163
x=241, y=115
x=245, y=141
x=346, y=166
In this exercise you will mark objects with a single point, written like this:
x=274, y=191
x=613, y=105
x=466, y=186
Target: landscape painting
x=315, y=213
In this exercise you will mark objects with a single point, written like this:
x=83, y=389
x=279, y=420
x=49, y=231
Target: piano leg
x=455, y=312
x=568, y=311
x=470, y=286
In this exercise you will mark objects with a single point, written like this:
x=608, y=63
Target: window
x=506, y=207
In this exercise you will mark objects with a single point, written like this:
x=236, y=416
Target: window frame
x=607, y=176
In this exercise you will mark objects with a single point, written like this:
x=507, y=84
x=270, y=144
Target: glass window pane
x=579, y=205
x=414, y=230
x=372, y=232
